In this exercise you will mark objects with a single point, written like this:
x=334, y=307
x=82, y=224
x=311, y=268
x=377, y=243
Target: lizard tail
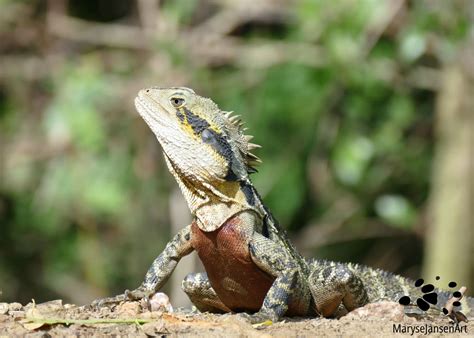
x=384, y=285
x=468, y=306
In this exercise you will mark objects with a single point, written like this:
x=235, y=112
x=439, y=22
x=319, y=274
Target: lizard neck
x=213, y=204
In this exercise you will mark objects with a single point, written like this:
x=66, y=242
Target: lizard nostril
x=148, y=90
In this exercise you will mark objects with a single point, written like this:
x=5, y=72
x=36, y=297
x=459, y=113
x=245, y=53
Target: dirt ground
x=131, y=319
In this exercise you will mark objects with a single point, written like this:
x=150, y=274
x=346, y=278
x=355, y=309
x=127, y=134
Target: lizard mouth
x=161, y=122
x=152, y=112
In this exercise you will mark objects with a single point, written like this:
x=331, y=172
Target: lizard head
x=200, y=141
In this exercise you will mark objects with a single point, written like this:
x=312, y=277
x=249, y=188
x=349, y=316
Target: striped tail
x=383, y=285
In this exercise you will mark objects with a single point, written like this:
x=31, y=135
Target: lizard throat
x=212, y=205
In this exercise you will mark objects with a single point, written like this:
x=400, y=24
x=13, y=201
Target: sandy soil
x=130, y=319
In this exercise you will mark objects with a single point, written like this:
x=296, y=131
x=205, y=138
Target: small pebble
x=3, y=308
x=52, y=305
x=383, y=310
x=17, y=314
x=160, y=302
x=129, y=309
x=15, y=306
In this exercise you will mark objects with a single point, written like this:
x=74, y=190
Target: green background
x=344, y=97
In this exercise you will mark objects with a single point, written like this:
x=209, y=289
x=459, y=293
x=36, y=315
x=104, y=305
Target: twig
x=376, y=30
x=449, y=311
x=262, y=54
x=52, y=321
x=228, y=19
x=114, y=35
x=425, y=78
x=148, y=13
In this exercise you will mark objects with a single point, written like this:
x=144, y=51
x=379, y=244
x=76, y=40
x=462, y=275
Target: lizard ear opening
x=207, y=136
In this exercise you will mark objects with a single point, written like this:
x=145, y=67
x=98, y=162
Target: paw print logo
x=429, y=296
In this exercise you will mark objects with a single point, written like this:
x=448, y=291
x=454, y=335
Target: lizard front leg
x=272, y=259
x=159, y=271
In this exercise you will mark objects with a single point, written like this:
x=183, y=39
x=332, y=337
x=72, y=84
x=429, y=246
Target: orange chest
x=240, y=284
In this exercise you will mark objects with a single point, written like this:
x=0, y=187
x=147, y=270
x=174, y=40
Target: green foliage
x=396, y=210
x=181, y=10
x=347, y=141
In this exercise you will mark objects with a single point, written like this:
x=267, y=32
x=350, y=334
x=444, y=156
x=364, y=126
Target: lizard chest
x=240, y=284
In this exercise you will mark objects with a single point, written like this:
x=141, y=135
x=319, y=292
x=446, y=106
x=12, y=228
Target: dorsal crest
x=235, y=128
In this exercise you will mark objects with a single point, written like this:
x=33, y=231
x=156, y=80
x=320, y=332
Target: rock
x=160, y=302
x=382, y=310
x=51, y=306
x=128, y=309
x=17, y=313
x=15, y=307
x=3, y=308
x=154, y=329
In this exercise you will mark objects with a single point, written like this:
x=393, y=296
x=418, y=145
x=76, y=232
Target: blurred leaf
x=344, y=48
x=181, y=10
x=73, y=115
x=351, y=157
x=396, y=210
x=285, y=187
x=400, y=115
x=412, y=46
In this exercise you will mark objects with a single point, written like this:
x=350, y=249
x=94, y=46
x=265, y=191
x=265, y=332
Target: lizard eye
x=177, y=102
x=207, y=136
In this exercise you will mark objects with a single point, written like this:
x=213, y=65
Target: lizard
x=251, y=266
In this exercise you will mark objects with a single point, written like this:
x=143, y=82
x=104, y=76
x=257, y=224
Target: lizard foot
x=262, y=318
x=137, y=294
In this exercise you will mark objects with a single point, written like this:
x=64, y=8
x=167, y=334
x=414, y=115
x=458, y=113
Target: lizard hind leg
x=335, y=288
x=202, y=295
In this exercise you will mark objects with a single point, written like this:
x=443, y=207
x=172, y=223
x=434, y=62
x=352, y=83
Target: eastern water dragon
x=251, y=266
